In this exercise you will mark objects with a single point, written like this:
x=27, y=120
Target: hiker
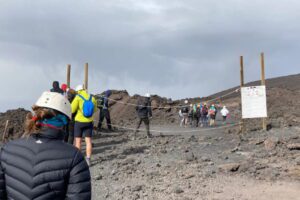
x=212, y=115
x=85, y=105
x=204, y=114
x=144, y=112
x=198, y=115
x=181, y=118
x=64, y=88
x=191, y=115
x=40, y=165
x=185, y=111
x=56, y=88
x=224, y=113
x=69, y=136
x=217, y=106
x=104, y=112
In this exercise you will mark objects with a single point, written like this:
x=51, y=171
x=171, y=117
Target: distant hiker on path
x=212, y=115
x=104, y=111
x=204, y=114
x=85, y=106
x=56, y=88
x=40, y=165
x=224, y=113
x=198, y=115
x=144, y=112
x=181, y=118
x=185, y=112
x=190, y=115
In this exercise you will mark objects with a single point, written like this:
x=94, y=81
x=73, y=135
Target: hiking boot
x=88, y=161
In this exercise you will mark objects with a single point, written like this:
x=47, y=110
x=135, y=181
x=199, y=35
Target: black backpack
x=142, y=103
x=185, y=109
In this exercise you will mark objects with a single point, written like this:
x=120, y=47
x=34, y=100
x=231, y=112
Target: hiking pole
x=5, y=130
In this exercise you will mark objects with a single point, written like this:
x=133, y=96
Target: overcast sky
x=172, y=48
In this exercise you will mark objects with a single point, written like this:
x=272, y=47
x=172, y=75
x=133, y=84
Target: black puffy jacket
x=43, y=167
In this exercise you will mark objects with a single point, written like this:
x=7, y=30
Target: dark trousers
x=146, y=122
x=104, y=113
x=69, y=133
x=196, y=121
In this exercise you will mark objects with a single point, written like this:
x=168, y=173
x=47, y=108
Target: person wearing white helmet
x=40, y=165
x=184, y=111
x=84, y=105
x=144, y=112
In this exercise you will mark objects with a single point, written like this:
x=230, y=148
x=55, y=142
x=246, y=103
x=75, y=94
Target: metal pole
x=69, y=75
x=263, y=82
x=242, y=126
x=86, y=77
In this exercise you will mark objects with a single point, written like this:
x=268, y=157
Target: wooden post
x=86, y=77
x=5, y=131
x=263, y=82
x=242, y=126
x=69, y=75
x=242, y=70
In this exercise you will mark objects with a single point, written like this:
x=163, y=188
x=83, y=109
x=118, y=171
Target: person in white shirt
x=224, y=113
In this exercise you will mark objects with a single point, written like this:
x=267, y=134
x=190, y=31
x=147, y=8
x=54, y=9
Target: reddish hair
x=32, y=125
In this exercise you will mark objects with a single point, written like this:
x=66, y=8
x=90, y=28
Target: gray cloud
x=172, y=48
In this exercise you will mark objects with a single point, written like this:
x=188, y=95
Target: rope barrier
x=162, y=131
x=190, y=131
x=168, y=107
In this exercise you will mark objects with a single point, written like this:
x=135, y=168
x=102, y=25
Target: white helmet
x=79, y=87
x=186, y=101
x=147, y=95
x=55, y=101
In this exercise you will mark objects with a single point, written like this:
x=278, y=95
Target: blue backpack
x=88, y=107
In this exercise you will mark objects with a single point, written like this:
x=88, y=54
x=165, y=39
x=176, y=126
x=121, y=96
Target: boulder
x=230, y=167
x=295, y=146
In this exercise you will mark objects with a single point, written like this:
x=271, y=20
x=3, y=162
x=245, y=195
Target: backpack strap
x=82, y=97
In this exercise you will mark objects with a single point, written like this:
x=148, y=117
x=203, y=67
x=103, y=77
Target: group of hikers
x=83, y=107
x=40, y=165
x=201, y=114
x=46, y=162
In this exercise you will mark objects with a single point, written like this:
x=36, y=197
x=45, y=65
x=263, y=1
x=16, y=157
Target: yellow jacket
x=77, y=106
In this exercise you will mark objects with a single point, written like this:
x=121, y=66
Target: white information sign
x=254, y=102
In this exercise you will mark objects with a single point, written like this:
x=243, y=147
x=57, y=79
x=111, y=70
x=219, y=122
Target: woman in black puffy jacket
x=40, y=165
